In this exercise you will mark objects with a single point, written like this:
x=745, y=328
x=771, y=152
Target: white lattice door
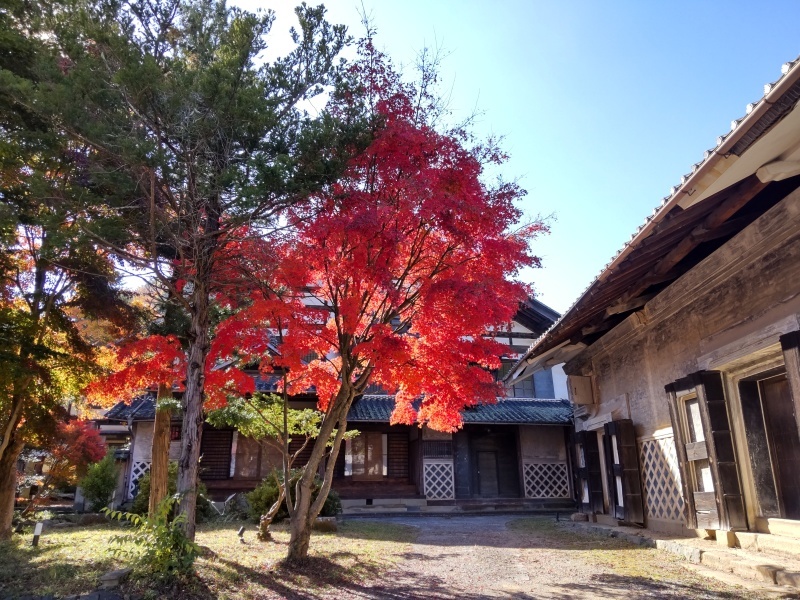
x=546, y=480
x=138, y=469
x=438, y=479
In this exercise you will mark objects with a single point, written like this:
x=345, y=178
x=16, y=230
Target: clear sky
x=603, y=104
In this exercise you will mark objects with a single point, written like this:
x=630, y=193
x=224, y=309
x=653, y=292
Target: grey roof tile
x=507, y=410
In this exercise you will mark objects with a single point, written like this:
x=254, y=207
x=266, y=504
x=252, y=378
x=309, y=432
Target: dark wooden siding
x=302, y=458
x=215, y=449
x=397, y=454
x=462, y=464
x=338, y=469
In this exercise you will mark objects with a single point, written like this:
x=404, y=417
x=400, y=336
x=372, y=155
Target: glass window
x=694, y=421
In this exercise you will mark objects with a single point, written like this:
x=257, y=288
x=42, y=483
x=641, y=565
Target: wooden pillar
x=790, y=343
x=159, y=467
x=721, y=450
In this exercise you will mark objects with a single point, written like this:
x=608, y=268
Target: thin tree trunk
x=8, y=485
x=192, y=429
x=159, y=467
x=266, y=520
x=41, y=491
x=304, y=512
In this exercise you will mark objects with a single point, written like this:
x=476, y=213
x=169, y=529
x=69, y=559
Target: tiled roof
x=378, y=408
x=141, y=408
x=507, y=410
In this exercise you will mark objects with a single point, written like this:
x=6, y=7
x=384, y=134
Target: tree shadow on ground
x=318, y=578
x=44, y=568
x=624, y=586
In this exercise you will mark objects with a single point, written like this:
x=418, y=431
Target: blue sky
x=603, y=105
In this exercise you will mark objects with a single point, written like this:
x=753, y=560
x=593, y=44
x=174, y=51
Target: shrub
x=141, y=502
x=266, y=494
x=160, y=546
x=100, y=482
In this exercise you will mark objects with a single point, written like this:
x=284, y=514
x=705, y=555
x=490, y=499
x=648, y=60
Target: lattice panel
x=661, y=480
x=137, y=470
x=546, y=480
x=439, y=484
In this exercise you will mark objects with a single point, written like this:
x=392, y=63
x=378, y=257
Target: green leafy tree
x=54, y=278
x=268, y=419
x=158, y=545
x=189, y=134
x=100, y=482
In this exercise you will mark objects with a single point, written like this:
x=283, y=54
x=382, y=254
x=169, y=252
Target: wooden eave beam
x=628, y=305
x=736, y=197
x=596, y=328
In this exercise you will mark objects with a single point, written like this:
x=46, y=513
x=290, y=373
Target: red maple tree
x=391, y=276
x=146, y=363
x=74, y=446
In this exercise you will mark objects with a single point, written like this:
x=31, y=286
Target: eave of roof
x=507, y=411
x=779, y=98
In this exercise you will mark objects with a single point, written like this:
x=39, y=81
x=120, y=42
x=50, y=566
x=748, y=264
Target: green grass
x=70, y=561
x=67, y=561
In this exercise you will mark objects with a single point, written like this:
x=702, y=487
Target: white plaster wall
x=540, y=443
x=560, y=382
x=143, y=443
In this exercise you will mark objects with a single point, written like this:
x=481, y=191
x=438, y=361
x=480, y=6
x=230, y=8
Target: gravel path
x=468, y=558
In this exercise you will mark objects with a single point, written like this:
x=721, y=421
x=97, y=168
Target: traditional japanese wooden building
x=683, y=356
x=512, y=452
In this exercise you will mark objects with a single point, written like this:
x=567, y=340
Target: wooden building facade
x=515, y=449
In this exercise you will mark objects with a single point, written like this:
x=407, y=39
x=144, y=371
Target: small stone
x=327, y=524
x=92, y=519
x=113, y=578
x=579, y=517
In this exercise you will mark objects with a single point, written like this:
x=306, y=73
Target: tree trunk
x=8, y=485
x=304, y=511
x=159, y=467
x=192, y=429
x=266, y=520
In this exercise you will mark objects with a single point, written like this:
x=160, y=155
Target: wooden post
x=790, y=344
x=37, y=531
x=159, y=467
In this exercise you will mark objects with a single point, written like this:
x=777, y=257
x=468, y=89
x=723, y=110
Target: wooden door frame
x=719, y=441
x=790, y=346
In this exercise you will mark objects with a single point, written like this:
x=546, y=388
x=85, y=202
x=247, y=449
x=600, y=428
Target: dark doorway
x=495, y=460
x=487, y=475
x=784, y=442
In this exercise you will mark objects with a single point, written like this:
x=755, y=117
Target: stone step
x=740, y=562
x=768, y=571
x=374, y=510
x=362, y=502
x=785, y=527
x=771, y=544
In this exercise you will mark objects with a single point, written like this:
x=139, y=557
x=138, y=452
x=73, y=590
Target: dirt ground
x=437, y=558
x=506, y=557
